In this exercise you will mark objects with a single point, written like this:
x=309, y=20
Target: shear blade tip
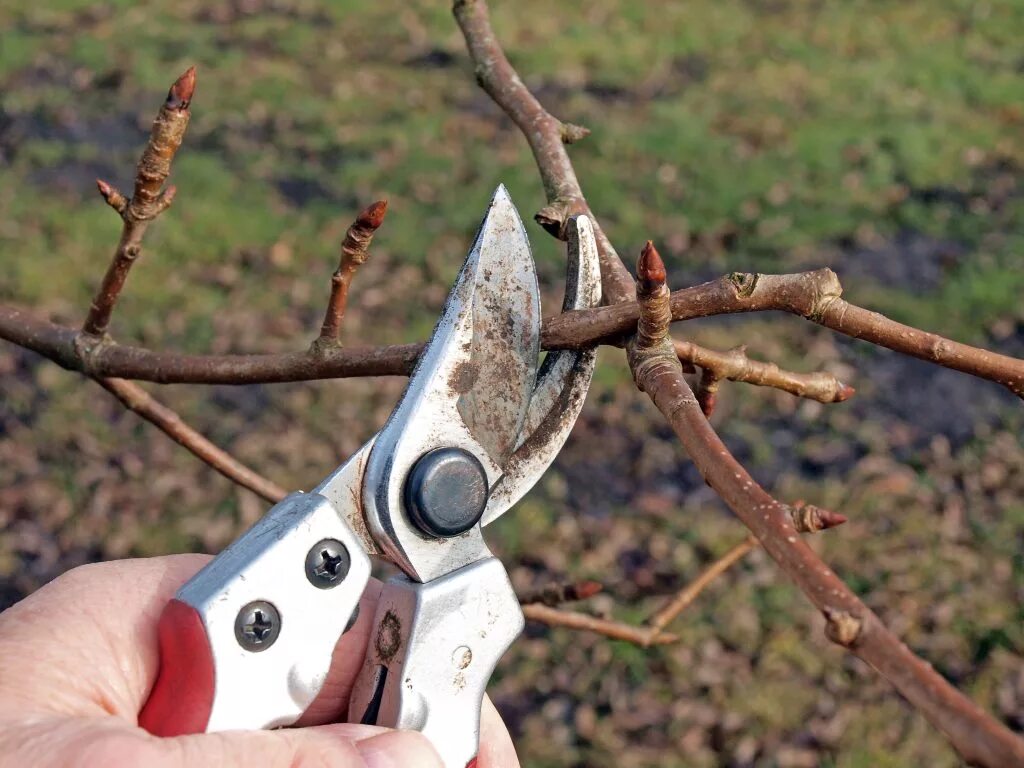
x=501, y=193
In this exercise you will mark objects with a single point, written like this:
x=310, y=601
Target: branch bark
x=979, y=738
x=813, y=295
x=136, y=399
x=354, y=253
x=148, y=201
x=546, y=135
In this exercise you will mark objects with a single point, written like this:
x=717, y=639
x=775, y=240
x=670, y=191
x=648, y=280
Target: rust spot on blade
x=464, y=377
x=389, y=636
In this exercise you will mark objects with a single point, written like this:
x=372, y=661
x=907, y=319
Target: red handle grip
x=182, y=696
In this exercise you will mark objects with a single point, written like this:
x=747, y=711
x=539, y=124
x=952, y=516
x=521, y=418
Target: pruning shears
x=247, y=642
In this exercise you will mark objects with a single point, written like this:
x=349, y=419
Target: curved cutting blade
x=562, y=383
x=470, y=390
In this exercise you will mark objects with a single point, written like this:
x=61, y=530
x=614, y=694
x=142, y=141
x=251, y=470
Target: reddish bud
x=585, y=589
x=650, y=269
x=168, y=195
x=373, y=216
x=572, y=133
x=830, y=519
x=808, y=518
x=707, y=401
x=180, y=95
x=845, y=392
x=114, y=198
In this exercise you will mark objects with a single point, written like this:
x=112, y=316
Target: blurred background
x=880, y=138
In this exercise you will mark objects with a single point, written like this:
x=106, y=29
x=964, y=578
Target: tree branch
x=354, y=252
x=148, y=200
x=734, y=365
x=136, y=399
x=546, y=136
x=814, y=295
x=979, y=738
x=617, y=630
x=685, y=597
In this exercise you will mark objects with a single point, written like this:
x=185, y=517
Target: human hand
x=78, y=659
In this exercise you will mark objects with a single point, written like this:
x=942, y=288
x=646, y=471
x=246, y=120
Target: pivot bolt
x=327, y=563
x=257, y=626
x=446, y=492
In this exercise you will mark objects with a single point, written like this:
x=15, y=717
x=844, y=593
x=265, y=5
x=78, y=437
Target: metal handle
x=432, y=651
x=247, y=642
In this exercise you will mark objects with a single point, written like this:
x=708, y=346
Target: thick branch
x=107, y=358
x=148, y=201
x=977, y=737
x=814, y=295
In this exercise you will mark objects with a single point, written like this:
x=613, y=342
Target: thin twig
x=806, y=519
x=546, y=135
x=734, y=365
x=354, y=253
x=552, y=595
x=148, y=200
x=617, y=630
x=691, y=591
x=136, y=399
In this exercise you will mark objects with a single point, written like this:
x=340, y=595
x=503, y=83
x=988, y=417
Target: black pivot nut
x=446, y=492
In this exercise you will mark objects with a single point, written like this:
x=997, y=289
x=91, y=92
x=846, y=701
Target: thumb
x=107, y=742
x=328, y=746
